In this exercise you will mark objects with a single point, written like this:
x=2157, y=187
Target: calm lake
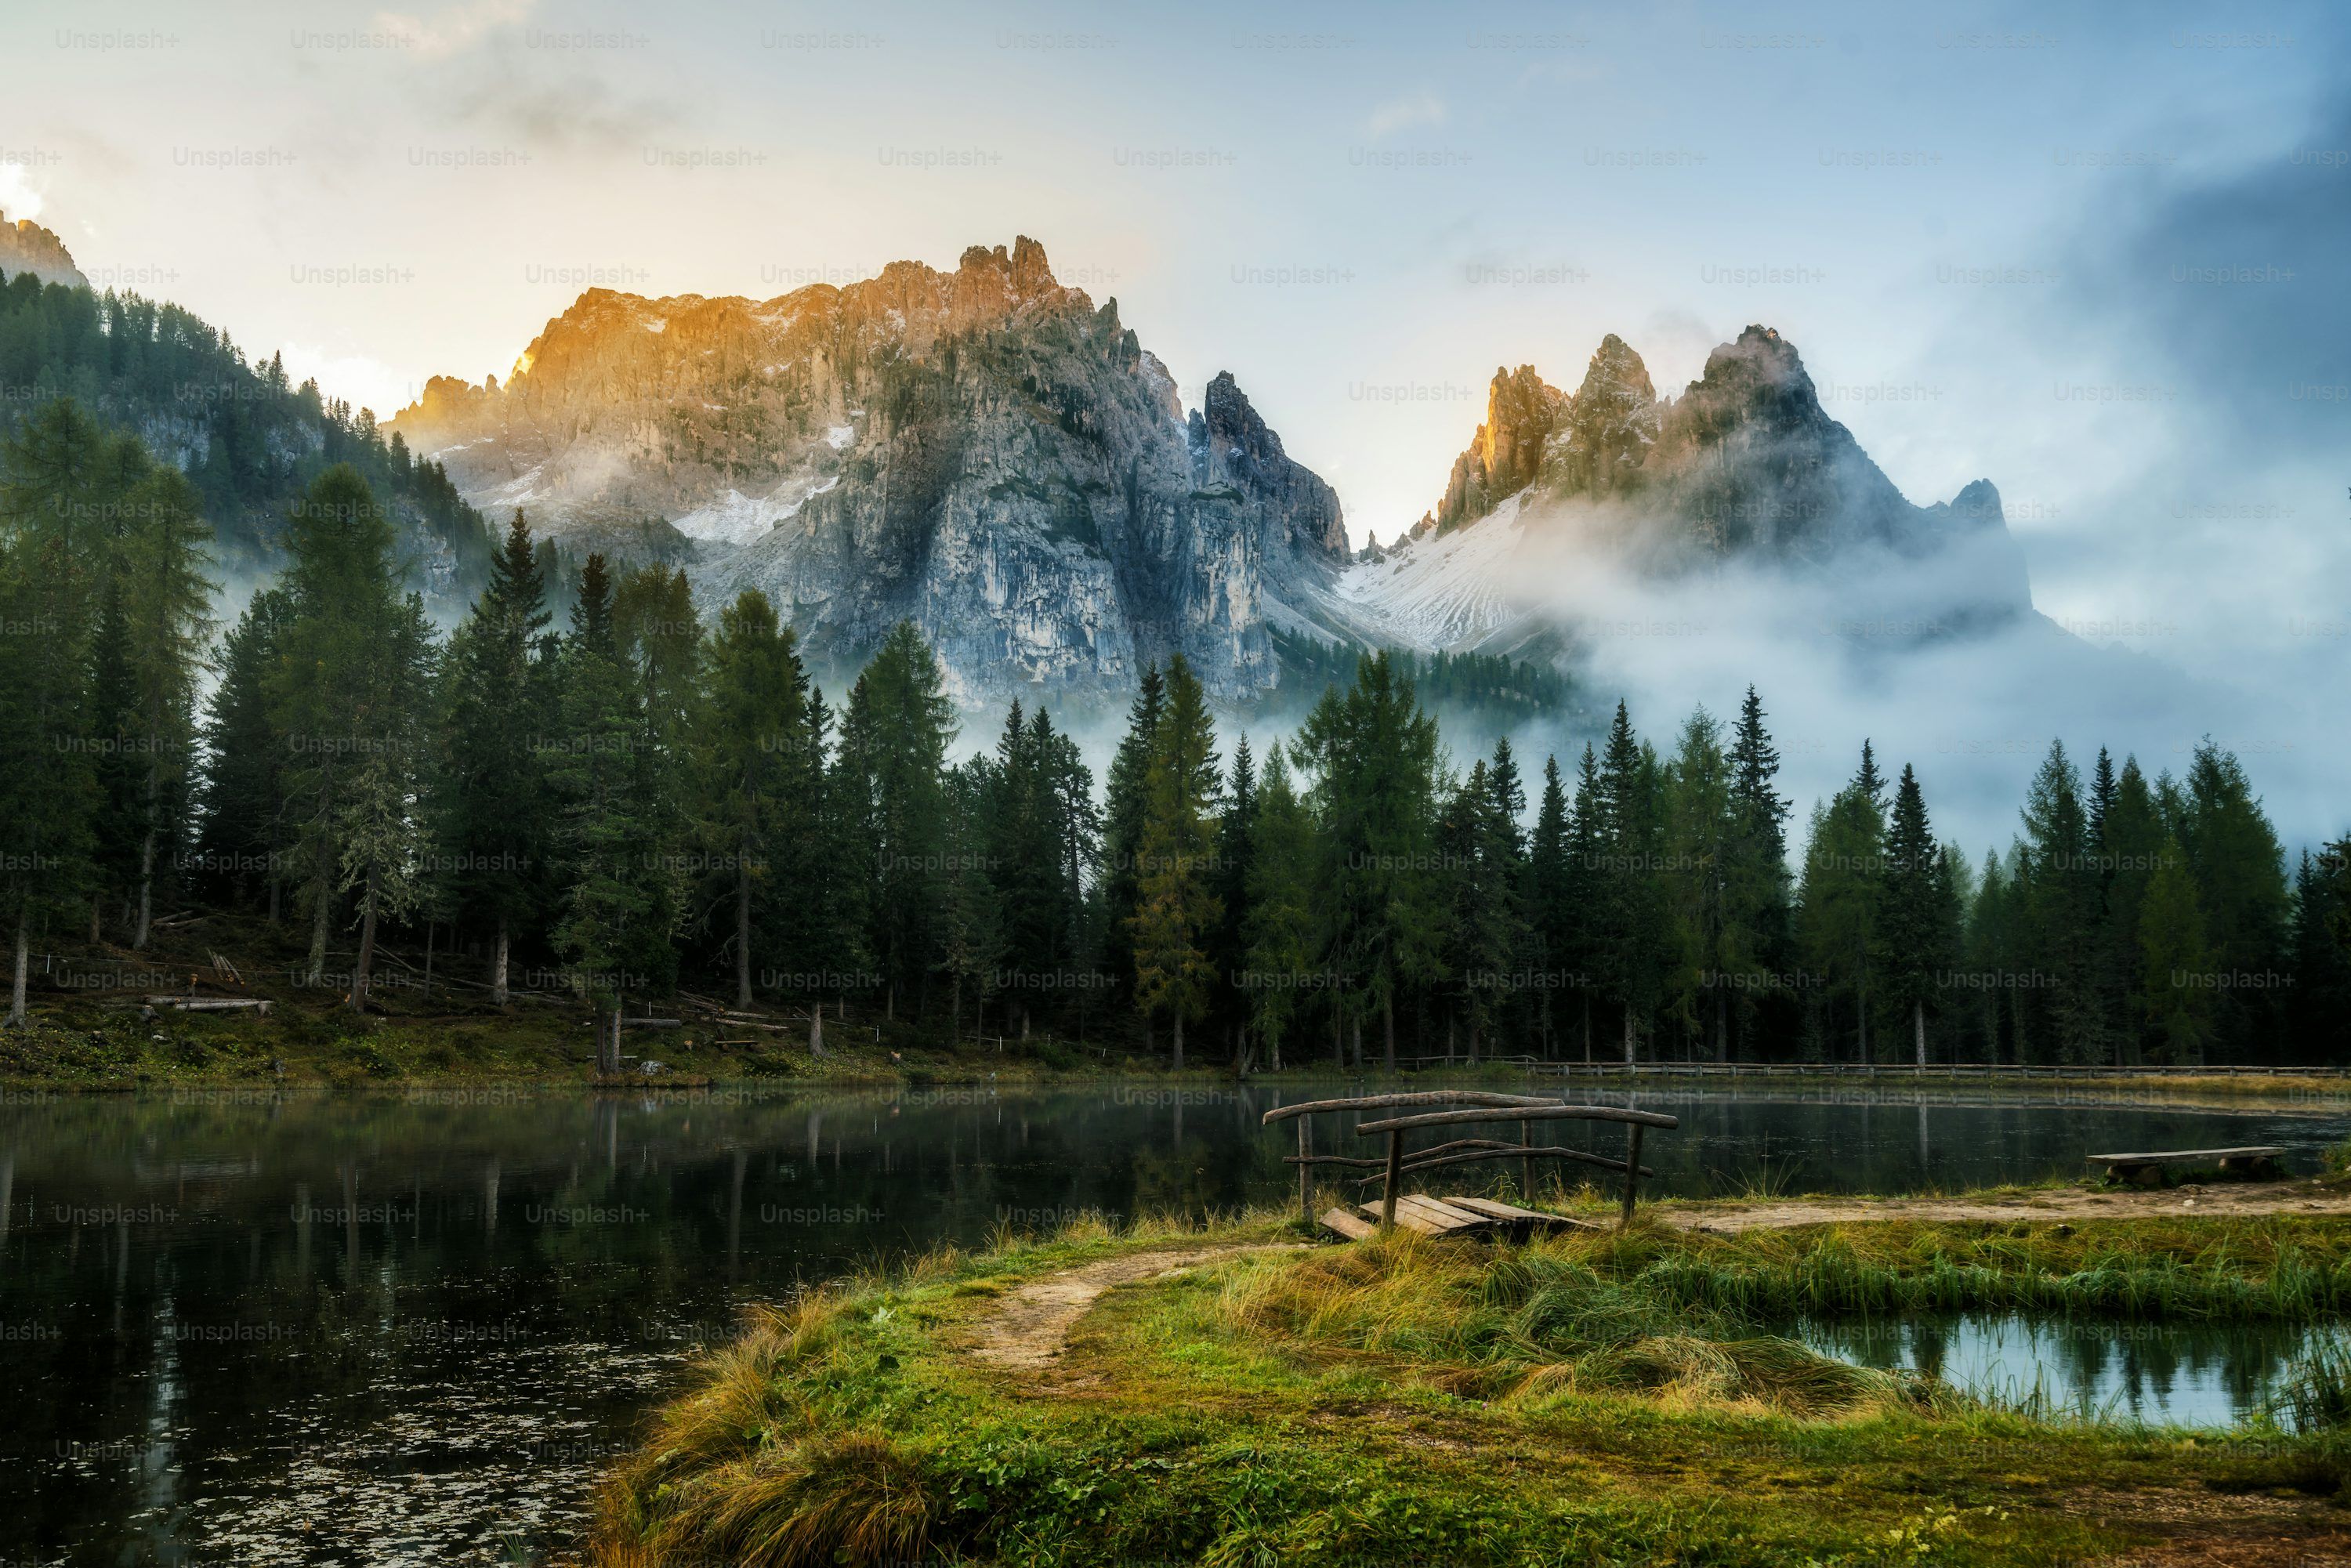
x=241, y=1328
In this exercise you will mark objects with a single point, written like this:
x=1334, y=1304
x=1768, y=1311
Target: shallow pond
x=252, y=1329
x=2163, y=1373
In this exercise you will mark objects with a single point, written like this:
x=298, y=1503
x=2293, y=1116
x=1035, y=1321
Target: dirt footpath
x=1027, y=1330
x=2225, y=1200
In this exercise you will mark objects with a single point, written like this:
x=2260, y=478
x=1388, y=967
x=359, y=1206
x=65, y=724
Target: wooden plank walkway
x=1432, y=1216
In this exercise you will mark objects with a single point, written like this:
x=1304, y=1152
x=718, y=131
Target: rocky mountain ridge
x=1563, y=502
x=983, y=451
x=1746, y=463
x=27, y=246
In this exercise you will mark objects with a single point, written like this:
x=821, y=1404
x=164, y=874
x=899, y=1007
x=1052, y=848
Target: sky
x=2097, y=253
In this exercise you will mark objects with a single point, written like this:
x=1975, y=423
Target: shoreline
x=1589, y=1396
x=310, y=1072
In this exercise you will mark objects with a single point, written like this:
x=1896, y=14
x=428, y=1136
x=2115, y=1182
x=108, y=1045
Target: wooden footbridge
x=1430, y=1216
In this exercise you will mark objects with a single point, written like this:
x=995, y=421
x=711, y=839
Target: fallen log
x=210, y=1004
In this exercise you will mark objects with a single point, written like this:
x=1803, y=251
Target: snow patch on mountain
x=736, y=519
x=1440, y=591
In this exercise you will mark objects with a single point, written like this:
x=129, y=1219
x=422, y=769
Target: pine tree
x=1122, y=814
x=108, y=713
x=1373, y=752
x=893, y=746
x=241, y=842
x=2176, y=987
x=57, y=475
x=1840, y=891
x=2239, y=869
x=1550, y=918
x=494, y=799
x=1467, y=957
x=2321, y=948
x=1504, y=847
x=1917, y=924
x=1631, y=914
x=2061, y=898
x=1023, y=845
x=1280, y=925
x=1582, y=892
x=1175, y=908
x=1481, y=855
x=618, y=912
x=1988, y=938
x=1701, y=825
x=1756, y=887
x=2130, y=845
x=1076, y=829
x=971, y=914
x=353, y=667
x=2103, y=786
x=755, y=764
x=1236, y=854
x=166, y=601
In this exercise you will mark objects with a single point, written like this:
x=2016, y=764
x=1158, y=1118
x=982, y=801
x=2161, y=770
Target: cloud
x=18, y=196
x=366, y=382
x=2165, y=416
x=456, y=28
x=2236, y=286
x=565, y=107
x=1402, y=113
x=1879, y=648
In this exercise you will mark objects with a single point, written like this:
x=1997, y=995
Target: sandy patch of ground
x=1026, y=1329
x=2228, y=1200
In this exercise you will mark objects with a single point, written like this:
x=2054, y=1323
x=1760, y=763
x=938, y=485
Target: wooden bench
x=2147, y=1169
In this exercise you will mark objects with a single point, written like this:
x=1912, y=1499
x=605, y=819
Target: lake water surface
x=241, y=1328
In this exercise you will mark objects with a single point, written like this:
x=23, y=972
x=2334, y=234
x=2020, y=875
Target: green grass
x=2275, y=1265
x=2316, y=1394
x=1571, y=1401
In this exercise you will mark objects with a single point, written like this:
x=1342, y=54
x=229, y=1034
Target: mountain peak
x=1521, y=410
x=1610, y=425
x=1760, y=365
x=1024, y=269
x=1231, y=444
x=27, y=246
x=1978, y=502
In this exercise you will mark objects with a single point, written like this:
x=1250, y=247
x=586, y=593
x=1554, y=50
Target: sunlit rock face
x=1745, y=469
x=27, y=246
x=1522, y=412
x=983, y=451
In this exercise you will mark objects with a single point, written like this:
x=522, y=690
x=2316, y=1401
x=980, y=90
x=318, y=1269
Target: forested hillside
x=629, y=798
x=249, y=442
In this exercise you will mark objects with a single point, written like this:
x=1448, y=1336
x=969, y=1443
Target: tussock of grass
x=2316, y=1396
x=1548, y=1318
x=850, y=1497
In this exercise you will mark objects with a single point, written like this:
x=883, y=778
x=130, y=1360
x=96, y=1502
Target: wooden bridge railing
x=1473, y=1108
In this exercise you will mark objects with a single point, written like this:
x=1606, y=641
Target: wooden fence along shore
x=1985, y=1069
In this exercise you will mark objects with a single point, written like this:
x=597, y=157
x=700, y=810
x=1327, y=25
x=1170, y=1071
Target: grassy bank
x=1585, y=1398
